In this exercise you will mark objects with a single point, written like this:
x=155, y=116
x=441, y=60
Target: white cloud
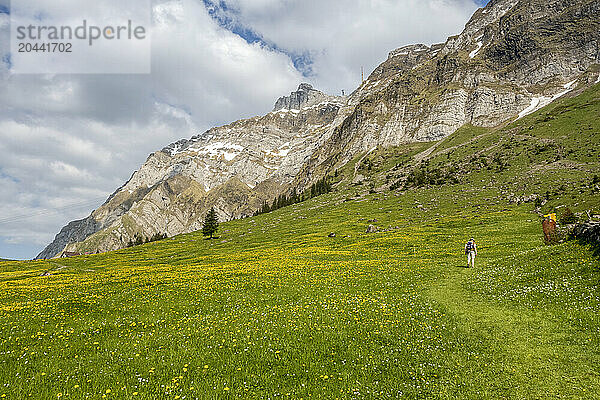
x=67, y=141
x=342, y=35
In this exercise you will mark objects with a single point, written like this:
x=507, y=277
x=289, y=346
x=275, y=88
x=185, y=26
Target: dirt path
x=58, y=268
x=418, y=158
x=357, y=165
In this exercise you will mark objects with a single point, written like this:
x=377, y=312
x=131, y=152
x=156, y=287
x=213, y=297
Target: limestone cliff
x=234, y=168
x=512, y=58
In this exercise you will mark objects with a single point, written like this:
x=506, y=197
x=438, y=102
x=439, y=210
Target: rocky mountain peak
x=305, y=96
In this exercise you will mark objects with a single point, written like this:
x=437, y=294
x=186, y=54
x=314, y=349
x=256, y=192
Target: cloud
x=68, y=141
x=339, y=37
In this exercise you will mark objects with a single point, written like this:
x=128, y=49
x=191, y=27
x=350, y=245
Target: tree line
x=138, y=239
x=322, y=186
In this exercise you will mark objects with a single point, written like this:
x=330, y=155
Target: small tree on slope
x=211, y=223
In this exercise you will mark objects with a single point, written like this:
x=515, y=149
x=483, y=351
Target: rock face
x=74, y=232
x=304, y=97
x=234, y=168
x=513, y=57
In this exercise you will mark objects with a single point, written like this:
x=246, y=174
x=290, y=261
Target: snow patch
x=569, y=86
x=282, y=151
x=229, y=156
x=543, y=101
x=533, y=106
x=476, y=51
x=219, y=149
x=325, y=103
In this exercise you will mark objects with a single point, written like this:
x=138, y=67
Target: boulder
x=372, y=229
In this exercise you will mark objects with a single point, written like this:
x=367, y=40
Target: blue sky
x=222, y=14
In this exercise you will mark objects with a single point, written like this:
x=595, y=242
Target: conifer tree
x=211, y=223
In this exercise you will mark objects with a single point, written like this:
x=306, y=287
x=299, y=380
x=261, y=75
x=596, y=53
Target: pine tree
x=211, y=223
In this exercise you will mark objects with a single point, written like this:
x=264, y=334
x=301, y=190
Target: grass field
x=275, y=308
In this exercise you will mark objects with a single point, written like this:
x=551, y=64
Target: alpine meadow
x=332, y=264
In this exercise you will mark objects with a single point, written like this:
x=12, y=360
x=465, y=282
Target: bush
x=425, y=175
x=567, y=217
x=138, y=239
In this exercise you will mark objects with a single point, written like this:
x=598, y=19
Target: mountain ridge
x=509, y=54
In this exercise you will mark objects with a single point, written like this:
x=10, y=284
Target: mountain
x=512, y=58
x=234, y=168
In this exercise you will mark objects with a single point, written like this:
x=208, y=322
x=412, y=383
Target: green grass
x=276, y=309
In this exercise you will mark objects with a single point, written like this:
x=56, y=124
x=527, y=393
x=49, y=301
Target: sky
x=67, y=141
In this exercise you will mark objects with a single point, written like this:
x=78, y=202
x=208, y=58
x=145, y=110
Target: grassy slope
x=276, y=309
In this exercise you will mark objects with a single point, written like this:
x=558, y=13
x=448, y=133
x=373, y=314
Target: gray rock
x=372, y=229
x=304, y=97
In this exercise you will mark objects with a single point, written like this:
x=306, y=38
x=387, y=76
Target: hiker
x=471, y=252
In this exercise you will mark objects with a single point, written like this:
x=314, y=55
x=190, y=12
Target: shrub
x=567, y=217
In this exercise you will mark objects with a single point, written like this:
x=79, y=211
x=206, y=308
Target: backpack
x=470, y=246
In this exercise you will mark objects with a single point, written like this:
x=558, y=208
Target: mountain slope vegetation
x=275, y=308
